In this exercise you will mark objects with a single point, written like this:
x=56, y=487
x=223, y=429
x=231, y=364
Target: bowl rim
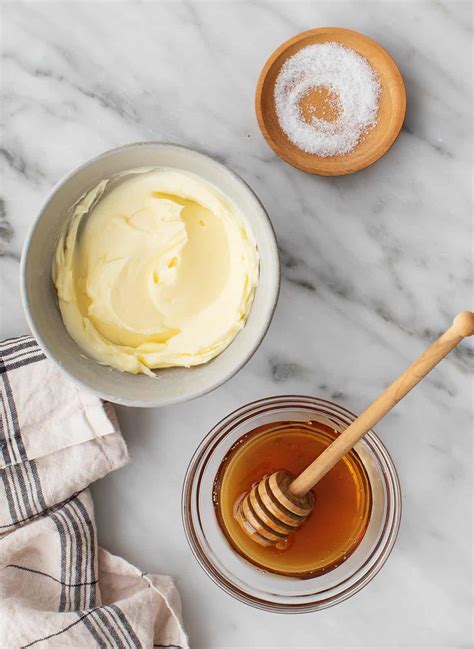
x=144, y=403
x=217, y=435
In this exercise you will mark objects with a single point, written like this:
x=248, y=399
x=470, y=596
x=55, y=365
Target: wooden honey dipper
x=280, y=503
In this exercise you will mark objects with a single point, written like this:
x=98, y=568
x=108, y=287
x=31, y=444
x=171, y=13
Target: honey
x=343, y=498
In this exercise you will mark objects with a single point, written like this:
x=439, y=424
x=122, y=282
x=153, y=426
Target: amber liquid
x=343, y=498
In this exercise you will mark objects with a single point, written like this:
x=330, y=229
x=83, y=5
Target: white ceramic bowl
x=40, y=300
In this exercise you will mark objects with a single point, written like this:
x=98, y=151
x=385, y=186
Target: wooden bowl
x=373, y=145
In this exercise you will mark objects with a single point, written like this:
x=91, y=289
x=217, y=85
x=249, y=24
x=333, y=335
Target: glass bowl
x=255, y=586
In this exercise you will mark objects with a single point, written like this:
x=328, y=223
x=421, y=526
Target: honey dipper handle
x=463, y=325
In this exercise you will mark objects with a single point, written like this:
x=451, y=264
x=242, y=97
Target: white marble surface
x=374, y=266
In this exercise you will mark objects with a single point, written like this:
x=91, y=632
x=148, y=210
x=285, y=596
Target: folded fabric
x=57, y=587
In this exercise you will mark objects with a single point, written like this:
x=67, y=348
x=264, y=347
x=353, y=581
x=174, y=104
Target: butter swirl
x=159, y=271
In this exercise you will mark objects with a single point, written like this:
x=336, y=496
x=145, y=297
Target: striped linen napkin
x=57, y=587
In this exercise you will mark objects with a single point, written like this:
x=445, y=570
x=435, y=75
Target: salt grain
x=351, y=91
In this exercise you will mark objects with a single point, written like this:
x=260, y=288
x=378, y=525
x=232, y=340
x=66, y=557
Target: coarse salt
x=352, y=90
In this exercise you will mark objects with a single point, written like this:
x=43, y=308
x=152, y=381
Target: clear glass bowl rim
x=206, y=447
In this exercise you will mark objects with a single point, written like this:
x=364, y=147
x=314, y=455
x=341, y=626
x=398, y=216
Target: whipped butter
x=156, y=269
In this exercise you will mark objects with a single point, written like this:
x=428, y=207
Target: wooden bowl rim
x=284, y=152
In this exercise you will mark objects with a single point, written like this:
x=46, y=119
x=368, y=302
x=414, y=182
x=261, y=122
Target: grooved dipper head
x=270, y=511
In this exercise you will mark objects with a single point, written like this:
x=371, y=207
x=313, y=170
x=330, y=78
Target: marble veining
x=374, y=266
